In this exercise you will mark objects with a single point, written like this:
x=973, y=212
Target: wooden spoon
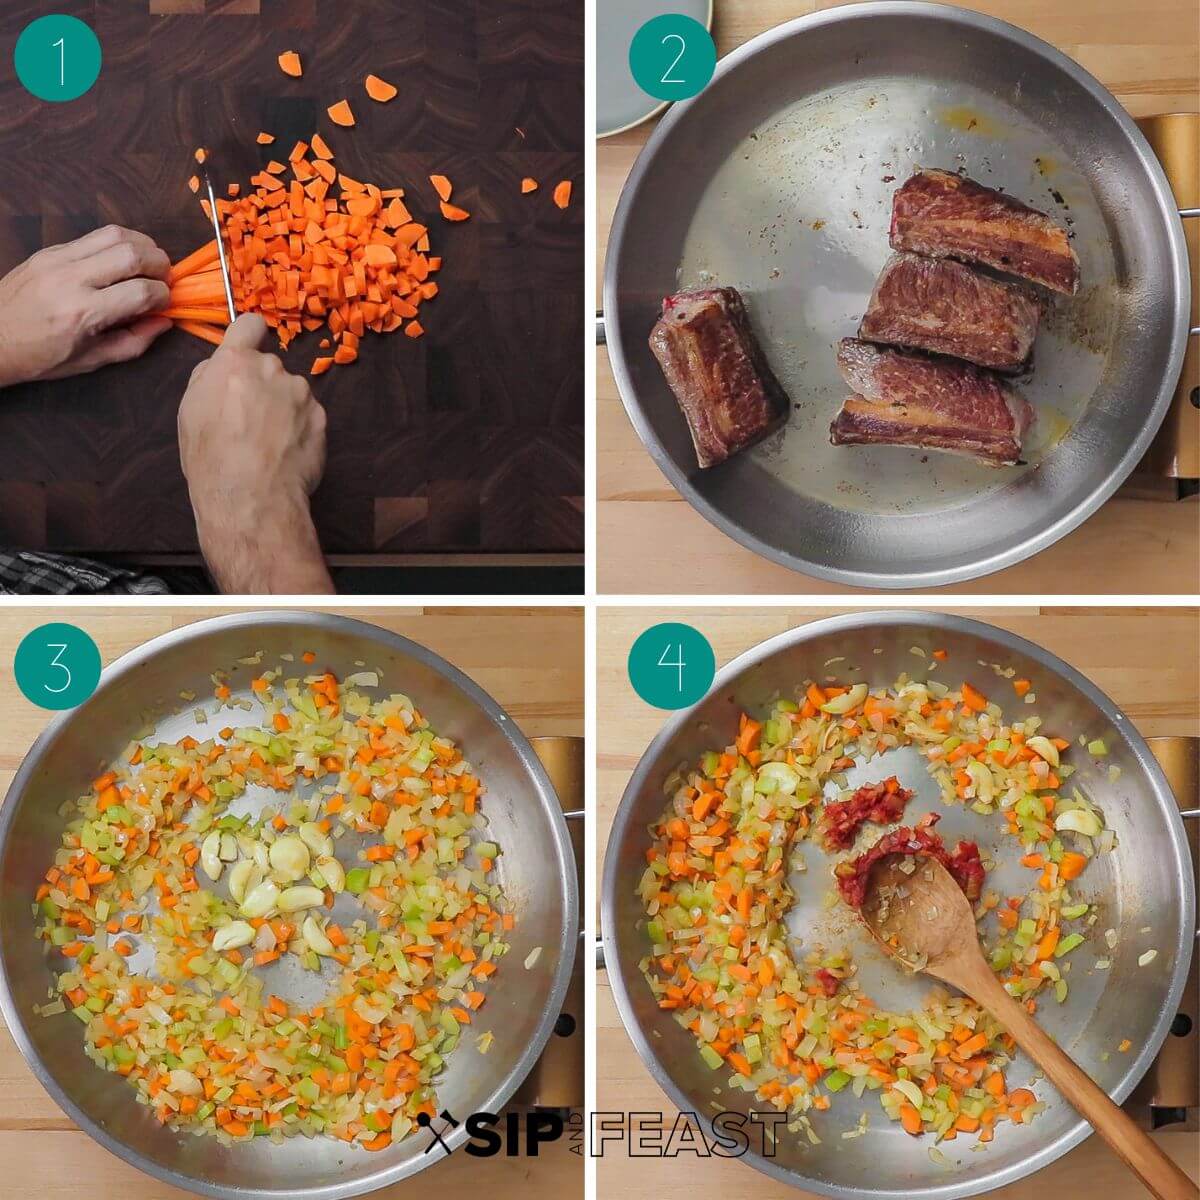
x=925, y=921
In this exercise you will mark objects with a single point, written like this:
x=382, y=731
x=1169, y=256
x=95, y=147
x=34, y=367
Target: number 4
x=679, y=664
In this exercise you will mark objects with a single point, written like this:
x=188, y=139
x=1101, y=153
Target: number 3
x=682, y=49
x=61, y=648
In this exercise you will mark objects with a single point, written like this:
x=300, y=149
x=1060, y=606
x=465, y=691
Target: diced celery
x=1068, y=944
x=1074, y=911
x=1097, y=747
x=753, y=1047
x=357, y=880
x=836, y=1080
x=710, y=1056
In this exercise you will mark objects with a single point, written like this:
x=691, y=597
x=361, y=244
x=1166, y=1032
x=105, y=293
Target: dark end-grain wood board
x=469, y=439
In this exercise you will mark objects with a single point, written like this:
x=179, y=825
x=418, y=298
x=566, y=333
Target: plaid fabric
x=26, y=573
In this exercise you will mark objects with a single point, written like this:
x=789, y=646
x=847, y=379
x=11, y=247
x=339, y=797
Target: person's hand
x=252, y=445
x=76, y=307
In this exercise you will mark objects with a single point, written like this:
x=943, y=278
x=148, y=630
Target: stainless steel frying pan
x=777, y=179
x=537, y=871
x=1144, y=885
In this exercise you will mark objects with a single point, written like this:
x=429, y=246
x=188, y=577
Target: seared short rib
x=713, y=364
x=943, y=215
x=948, y=308
x=935, y=403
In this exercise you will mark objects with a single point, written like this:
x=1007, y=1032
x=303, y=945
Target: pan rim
x=1166, y=805
x=1165, y=215
x=385, y=1175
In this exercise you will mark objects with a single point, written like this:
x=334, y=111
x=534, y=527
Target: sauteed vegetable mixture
x=167, y=906
x=792, y=1029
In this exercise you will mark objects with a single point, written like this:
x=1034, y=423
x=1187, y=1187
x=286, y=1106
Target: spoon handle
x=1138, y=1150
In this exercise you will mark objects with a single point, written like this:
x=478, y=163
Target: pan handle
x=1191, y=814
x=1184, y=214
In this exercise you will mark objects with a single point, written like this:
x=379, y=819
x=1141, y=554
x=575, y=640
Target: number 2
x=62, y=80
x=679, y=664
x=682, y=49
x=61, y=648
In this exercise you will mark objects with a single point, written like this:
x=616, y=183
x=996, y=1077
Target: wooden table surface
x=1145, y=660
x=650, y=540
x=468, y=440
x=530, y=660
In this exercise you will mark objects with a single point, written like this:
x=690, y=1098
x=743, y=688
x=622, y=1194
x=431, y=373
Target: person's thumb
x=246, y=333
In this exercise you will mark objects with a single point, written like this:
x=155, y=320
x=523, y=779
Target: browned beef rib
x=935, y=403
x=713, y=364
x=943, y=306
x=946, y=216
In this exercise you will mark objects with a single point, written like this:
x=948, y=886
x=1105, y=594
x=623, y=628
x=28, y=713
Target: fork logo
x=426, y=1122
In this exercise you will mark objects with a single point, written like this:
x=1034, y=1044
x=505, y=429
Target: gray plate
x=620, y=103
x=1146, y=882
x=777, y=179
x=536, y=869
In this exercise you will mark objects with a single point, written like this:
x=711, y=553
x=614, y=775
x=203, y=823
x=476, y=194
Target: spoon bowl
x=916, y=911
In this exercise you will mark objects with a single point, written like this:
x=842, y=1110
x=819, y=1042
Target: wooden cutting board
x=650, y=540
x=467, y=440
x=1144, y=659
x=529, y=660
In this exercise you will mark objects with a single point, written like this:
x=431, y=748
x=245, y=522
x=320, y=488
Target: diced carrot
x=289, y=64
x=340, y=114
x=528, y=185
x=265, y=139
x=379, y=89
x=562, y=193
x=194, y=183
x=452, y=212
x=1072, y=864
x=442, y=186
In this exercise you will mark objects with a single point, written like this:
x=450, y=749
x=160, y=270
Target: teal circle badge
x=671, y=665
x=672, y=57
x=57, y=57
x=57, y=666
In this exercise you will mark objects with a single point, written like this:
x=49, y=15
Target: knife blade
x=216, y=224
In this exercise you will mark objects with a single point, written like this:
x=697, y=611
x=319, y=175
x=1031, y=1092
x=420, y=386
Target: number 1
x=679, y=664
x=682, y=47
x=62, y=80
